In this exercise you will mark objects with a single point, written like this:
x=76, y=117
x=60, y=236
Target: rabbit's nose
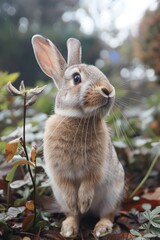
x=105, y=91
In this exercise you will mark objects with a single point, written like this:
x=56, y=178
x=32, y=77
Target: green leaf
x=22, y=200
x=56, y=224
x=42, y=224
x=44, y=216
x=143, y=226
x=155, y=211
x=147, y=215
x=10, y=175
x=5, y=78
x=155, y=230
x=2, y=208
x=154, y=224
x=149, y=235
x=4, y=225
x=146, y=206
x=13, y=76
x=157, y=219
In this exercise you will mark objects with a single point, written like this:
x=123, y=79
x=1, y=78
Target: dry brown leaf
x=27, y=222
x=11, y=149
x=30, y=205
x=23, y=161
x=154, y=195
x=34, y=153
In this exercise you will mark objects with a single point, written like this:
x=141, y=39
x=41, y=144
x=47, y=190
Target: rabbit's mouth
x=101, y=108
x=108, y=106
x=98, y=101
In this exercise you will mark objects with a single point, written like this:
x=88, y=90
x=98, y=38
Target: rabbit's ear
x=49, y=58
x=74, y=51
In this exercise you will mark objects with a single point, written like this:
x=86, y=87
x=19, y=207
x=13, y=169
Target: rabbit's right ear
x=49, y=58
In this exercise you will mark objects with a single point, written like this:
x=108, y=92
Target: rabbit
x=81, y=161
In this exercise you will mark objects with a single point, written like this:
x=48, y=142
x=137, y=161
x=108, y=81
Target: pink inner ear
x=49, y=58
x=45, y=54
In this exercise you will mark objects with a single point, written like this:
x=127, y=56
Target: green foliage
x=23, y=157
x=150, y=227
x=45, y=104
x=148, y=39
x=5, y=77
x=10, y=175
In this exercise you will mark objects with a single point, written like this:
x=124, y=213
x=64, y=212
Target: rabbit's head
x=83, y=90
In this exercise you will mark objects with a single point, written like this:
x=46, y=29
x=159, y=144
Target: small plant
x=29, y=159
x=150, y=227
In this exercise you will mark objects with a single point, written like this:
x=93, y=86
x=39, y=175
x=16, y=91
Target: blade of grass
x=147, y=175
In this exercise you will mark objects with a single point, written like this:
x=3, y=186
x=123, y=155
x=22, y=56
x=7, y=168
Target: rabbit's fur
x=81, y=162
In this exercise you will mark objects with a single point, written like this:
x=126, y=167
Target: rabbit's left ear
x=74, y=51
x=49, y=58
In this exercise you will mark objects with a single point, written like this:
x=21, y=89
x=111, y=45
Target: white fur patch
x=69, y=112
x=112, y=94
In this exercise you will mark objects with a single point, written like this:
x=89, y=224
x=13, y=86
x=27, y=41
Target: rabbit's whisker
x=82, y=140
x=94, y=123
x=115, y=126
x=76, y=133
x=65, y=118
x=127, y=122
x=131, y=99
x=123, y=133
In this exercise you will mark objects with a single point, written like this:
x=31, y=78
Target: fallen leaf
x=154, y=195
x=30, y=205
x=27, y=222
x=11, y=213
x=18, y=183
x=11, y=149
x=138, y=204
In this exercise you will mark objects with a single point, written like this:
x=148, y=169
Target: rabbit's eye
x=76, y=78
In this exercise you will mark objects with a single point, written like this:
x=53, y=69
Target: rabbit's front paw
x=85, y=198
x=103, y=227
x=69, y=227
x=72, y=205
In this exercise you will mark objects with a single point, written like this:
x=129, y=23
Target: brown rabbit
x=81, y=161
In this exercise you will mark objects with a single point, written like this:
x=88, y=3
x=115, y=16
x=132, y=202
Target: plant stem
x=27, y=157
x=8, y=194
x=147, y=175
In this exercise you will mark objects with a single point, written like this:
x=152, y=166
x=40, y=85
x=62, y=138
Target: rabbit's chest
x=76, y=157
x=75, y=150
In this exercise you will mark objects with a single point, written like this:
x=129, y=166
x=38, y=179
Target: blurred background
x=121, y=37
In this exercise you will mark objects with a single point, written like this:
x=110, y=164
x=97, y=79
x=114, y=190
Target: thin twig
x=8, y=194
x=27, y=157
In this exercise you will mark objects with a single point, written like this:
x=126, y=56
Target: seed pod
x=31, y=101
x=13, y=90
